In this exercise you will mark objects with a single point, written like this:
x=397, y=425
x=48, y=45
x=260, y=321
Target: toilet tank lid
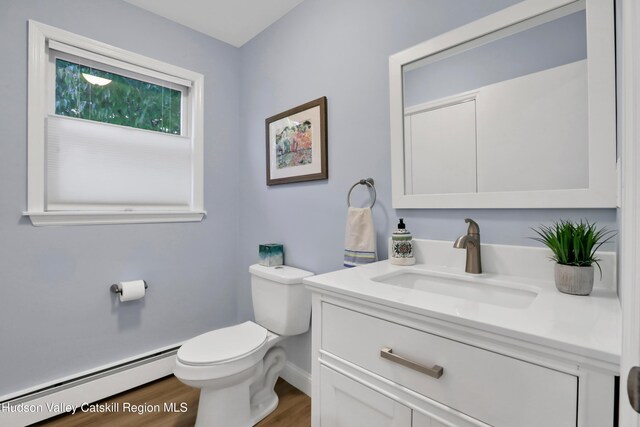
x=281, y=273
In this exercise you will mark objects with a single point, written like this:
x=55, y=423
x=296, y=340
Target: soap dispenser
x=401, y=246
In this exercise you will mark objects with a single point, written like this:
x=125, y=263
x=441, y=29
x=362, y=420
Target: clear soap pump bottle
x=401, y=246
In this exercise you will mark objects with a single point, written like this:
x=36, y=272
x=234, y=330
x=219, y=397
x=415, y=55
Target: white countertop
x=588, y=326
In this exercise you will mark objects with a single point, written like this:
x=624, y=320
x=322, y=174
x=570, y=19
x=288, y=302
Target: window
x=114, y=137
x=90, y=93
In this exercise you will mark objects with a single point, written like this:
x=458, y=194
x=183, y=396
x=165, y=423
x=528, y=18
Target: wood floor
x=294, y=409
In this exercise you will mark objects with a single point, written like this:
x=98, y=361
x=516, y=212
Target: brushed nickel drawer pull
x=435, y=372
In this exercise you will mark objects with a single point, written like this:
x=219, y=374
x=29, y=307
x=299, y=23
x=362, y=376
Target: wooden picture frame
x=297, y=144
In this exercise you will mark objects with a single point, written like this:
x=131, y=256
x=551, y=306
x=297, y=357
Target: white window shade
x=100, y=167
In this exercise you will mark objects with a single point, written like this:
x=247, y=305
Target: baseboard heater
x=52, y=400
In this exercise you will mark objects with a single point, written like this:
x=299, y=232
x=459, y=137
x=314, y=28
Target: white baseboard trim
x=78, y=394
x=54, y=401
x=297, y=377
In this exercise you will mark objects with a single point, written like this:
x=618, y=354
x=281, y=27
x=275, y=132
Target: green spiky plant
x=574, y=243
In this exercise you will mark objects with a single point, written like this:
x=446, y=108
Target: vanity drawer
x=488, y=386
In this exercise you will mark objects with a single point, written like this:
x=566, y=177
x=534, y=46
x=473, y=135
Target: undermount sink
x=478, y=289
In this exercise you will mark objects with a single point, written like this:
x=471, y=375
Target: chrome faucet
x=471, y=242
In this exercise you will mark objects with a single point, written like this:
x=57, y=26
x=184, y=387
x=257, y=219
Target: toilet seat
x=223, y=345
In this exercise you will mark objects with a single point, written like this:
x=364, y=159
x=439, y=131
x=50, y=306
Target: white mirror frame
x=602, y=191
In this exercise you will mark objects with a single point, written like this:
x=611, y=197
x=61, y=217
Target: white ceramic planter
x=574, y=280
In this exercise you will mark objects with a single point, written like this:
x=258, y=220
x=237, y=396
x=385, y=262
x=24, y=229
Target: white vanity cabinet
x=431, y=346
x=485, y=380
x=349, y=403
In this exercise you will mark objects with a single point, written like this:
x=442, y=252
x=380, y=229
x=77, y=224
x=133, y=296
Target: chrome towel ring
x=369, y=183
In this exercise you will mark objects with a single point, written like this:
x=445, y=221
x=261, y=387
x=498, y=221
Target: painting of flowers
x=293, y=145
x=297, y=144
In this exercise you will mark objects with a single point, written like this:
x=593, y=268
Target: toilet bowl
x=236, y=367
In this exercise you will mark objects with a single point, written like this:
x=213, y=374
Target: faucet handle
x=474, y=228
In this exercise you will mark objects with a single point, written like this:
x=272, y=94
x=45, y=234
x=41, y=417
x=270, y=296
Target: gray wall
x=57, y=316
x=340, y=49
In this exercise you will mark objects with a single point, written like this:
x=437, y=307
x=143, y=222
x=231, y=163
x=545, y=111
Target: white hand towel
x=360, y=238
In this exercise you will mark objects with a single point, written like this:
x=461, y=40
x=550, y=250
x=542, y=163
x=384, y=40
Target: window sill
x=92, y=218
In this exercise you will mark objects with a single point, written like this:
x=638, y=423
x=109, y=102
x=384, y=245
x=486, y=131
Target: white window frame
x=39, y=96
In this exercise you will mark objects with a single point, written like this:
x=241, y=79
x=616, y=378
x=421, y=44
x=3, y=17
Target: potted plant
x=574, y=246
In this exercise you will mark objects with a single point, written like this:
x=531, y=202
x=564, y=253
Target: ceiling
x=232, y=21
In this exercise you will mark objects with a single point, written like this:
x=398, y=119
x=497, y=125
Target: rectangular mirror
x=515, y=110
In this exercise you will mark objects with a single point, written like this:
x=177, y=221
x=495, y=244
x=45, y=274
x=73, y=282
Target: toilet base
x=243, y=399
x=226, y=404
x=264, y=399
x=264, y=411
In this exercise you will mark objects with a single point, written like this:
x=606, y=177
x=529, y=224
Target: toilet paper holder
x=116, y=289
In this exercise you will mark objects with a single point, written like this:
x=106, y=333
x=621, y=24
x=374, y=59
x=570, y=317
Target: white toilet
x=237, y=367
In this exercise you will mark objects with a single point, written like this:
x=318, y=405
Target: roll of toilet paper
x=131, y=290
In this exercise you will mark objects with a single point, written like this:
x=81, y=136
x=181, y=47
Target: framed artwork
x=297, y=144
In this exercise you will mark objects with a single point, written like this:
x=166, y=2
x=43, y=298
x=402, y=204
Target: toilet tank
x=281, y=303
